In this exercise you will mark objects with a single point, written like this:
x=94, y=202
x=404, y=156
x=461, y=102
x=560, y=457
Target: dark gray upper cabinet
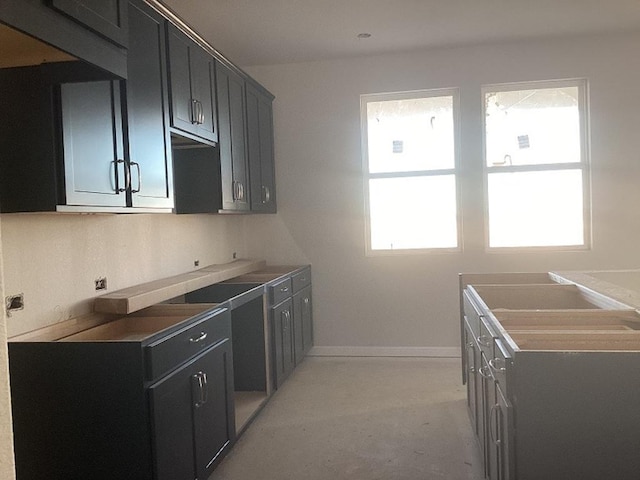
x=72, y=153
x=230, y=90
x=191, y=87
x=106, y=17
x=260, y=150
x=69, y=33
x=147, y=110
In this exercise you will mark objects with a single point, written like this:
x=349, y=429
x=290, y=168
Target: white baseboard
x=449, y=352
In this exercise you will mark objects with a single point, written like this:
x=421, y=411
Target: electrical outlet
x=101, y=283
x=14, y=303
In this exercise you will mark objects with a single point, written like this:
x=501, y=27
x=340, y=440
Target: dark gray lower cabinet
x=146, y=397
x=192, y=421
x=291, y=321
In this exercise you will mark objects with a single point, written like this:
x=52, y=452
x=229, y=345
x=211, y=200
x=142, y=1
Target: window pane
x=413, y=212
x=531, y=209
x=532, y=127
x=410, y=135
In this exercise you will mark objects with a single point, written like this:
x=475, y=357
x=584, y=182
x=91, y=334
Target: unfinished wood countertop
x=137, y=297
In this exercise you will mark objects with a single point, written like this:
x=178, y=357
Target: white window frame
x=584, y=164
x=455, y=171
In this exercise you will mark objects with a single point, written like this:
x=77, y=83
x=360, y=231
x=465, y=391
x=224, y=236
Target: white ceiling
x=261, y=32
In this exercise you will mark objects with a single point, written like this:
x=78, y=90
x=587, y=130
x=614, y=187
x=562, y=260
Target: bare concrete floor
x=361, y=419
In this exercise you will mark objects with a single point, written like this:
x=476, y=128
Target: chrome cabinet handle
x=205, y=388
x=200, y=383
x=194, y=111
x=241, y=191
x=199, y=338
x=284, y=289
x=496, y=441
x=484, y=372
x=127, y=176
x=139, y=177
x=484, y=340
x=498, y=365
x=266, y=194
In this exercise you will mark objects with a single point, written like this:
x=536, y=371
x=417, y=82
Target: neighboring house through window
x=409, y=154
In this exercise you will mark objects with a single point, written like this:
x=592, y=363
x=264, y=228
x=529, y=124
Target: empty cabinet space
x=249, y=343
x=537, y=297
x=140, y=326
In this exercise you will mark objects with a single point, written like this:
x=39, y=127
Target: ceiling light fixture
x=364, y=35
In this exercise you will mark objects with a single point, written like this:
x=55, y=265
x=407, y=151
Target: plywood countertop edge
x=137, y=297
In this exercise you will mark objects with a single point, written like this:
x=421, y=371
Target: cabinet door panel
x=260, y=151
x=179, y=79
x=171, y=405
x=192, y=412
x=106, y=17
x=147, y=111
x=283, y=341
x=93, y=143
x=202, y=85
x=303, y=333
x=233, y=156
x=212, y=426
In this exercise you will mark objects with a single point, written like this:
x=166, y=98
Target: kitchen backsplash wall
x=54, y=259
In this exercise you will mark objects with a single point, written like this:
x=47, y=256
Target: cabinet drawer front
x=280, y=291
x=301, y=280
x=169, y=352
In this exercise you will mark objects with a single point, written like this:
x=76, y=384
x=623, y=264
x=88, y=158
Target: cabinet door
x=179, y=79
x=191, y=86
x=283, y=341
x=147, y=110
x=106, y=17
x=203, y=93
x=93, y=147
x=230, y=91
x=260, y=151
x=302, y=324
x=192, y=412
x=471, y=376
x=505, y=437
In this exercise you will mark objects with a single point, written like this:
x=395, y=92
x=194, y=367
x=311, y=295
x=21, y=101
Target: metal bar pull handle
x=266, y=194
x=204, y=389
x=127, y=176
x=194, y=111
x=199, y=338
x=201, y=112
x=139, y=177
x=197, y=382
x=498, y=365
x=492, y=412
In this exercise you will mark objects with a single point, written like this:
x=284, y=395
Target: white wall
x=412, y=301
x=54, y=258
x=6, y=442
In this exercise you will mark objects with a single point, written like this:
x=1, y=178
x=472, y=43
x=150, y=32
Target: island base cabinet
x=192, y=411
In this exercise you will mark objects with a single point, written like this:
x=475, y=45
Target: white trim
x=449, y=352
